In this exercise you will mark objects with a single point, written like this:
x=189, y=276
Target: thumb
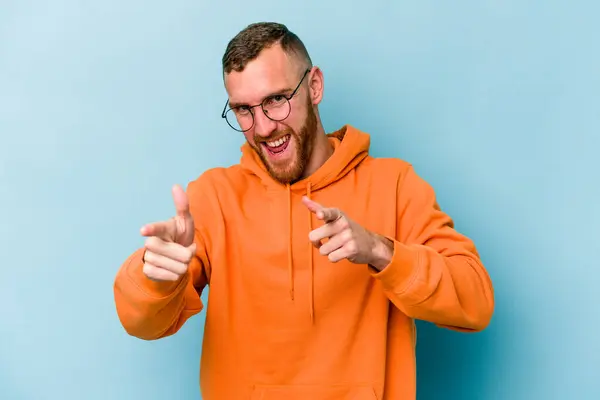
x=183, y=219
x=182, y=205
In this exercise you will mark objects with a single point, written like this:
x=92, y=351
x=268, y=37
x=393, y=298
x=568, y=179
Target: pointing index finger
x=323, y=213
x=313, y=206
x=162, y=230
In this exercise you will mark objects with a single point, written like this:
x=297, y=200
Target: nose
x=263, y=126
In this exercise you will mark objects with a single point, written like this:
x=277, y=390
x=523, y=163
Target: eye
x=242, y=110
x=275, y=100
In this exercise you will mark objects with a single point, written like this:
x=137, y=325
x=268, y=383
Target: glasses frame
x=251, y=108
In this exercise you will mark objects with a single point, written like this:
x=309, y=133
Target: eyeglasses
x=276, y=107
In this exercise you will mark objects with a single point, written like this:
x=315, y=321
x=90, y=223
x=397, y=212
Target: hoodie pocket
x=333, y=392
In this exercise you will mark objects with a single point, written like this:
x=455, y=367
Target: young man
x=319, y=257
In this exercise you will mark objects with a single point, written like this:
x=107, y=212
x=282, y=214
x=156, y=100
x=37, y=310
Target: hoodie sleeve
x=152, y=310
x=435, y=273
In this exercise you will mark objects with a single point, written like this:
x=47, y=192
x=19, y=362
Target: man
x=319, y=257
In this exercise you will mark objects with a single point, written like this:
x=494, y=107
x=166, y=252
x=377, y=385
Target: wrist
x=383, y=251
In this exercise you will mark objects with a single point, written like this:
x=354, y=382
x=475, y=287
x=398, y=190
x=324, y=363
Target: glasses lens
x=276, y=108
x=240, y=121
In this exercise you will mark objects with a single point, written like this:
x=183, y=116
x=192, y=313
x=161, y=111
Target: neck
x=321, y=152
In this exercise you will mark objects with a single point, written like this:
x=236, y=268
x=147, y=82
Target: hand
x=347, y=239
x=170, y=244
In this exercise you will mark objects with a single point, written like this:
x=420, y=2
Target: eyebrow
x=274, y=93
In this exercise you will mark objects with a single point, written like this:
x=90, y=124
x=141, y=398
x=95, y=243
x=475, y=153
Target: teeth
x=278, y=142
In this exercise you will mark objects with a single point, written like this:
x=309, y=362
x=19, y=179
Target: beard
x=292, y=169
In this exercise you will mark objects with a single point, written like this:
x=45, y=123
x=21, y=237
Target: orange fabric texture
x=282, y=321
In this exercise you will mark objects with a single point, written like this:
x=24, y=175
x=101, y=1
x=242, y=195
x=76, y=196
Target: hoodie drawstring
x=310, y=258
x=290, y=263
x=310, y=253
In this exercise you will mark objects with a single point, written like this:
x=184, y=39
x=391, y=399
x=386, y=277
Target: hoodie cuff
x=154, y=289
x=402, y=270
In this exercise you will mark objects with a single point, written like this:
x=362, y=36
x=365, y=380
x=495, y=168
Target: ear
x=316, y=85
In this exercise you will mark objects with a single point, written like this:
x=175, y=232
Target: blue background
x=105, y=104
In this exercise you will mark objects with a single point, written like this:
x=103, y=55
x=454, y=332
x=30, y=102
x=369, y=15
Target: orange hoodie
x=282, y=322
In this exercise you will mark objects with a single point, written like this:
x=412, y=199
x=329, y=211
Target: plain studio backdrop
x=106, y=104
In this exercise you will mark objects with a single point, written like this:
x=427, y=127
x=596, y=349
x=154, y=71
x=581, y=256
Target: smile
x=277, y=146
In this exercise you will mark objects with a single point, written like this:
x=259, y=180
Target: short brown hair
x=248, y=43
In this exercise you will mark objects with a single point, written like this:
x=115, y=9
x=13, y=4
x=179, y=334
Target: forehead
x=271, y=72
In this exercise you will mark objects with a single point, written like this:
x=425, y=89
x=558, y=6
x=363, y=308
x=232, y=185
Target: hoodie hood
x=351, y=147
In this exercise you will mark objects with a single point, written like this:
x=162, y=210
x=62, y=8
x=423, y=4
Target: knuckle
x=352, y=247
x=149, y=256
x=189, y=254
x=180, y=268
x=172, y=277
x=148, y=270
x=151, y=242
x=347, y=235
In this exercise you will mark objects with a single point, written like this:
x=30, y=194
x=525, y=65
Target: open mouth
x=277, y=146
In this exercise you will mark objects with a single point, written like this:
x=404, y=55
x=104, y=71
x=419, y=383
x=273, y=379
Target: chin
x=285, y=175
x=285, y=166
